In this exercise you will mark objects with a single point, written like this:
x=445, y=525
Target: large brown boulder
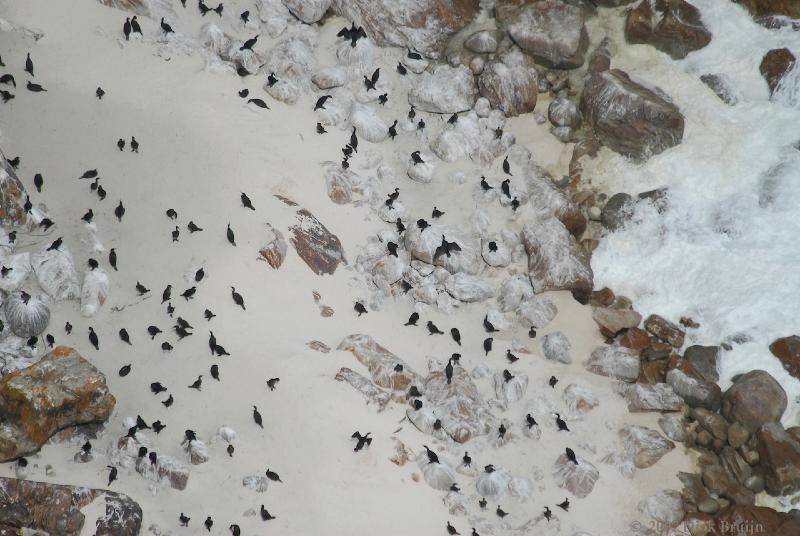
x=12, y=196
x=553, y=33
x=61, y=390
x=56, y=509
x=769, y=8
x=779, y=454
x=787, y=350
x=629, y=118
x=510, y=83
x=555, y=260
x=421, y=25
x=774, y=66
x=754, y=399
x=317, y=246
x=672, y=26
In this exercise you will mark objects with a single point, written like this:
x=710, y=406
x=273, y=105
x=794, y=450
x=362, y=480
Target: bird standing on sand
x=249, y=44
x=166, y=27
x=126, y=28
x=29, y=64
x=93, y=339
x=135, y=25
x=433, y=330
x=230, y=235
x=237, y=298
x=246, y=202
x=359, y=308
x=257, y=417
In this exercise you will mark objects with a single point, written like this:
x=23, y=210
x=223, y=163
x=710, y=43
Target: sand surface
x=201, y=145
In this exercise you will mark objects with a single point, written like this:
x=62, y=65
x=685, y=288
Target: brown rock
x=636, y=339
x=374, y=394
x=577, y=479
x=664, y=330
x=504, y=10
x=572, y=218
x=381, y=363
x=510, y=83
x=421, y=25
x=735, y=464
x=754, y=399
x=774, y=66
x=56, y=509
x=767, y=8
x=656, y=350
x=319, y=248
x=604, y=296
x=629, y=118
x=612, y=321
x=672, y=26
x=600, y=59
x=779, y=453
x=12, y=196
x=553, y=33
x=704, y=360
x=274, y=252
x=61, y=390
x=711, y=421
x=740, y=519
x=646, y=446
x=690, y=385
x=787, y=350
x=318, y=346
x=652, y=372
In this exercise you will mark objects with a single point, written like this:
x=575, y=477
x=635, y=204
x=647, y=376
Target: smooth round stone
x=709, y=506
x=755, y=483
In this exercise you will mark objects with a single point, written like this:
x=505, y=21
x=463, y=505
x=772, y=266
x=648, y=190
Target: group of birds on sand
x=8, y=80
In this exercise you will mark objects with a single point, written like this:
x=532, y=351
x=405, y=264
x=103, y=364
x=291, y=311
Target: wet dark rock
x=317, y=246
x=553, y=33
x=787, y=350
x=720, y=87
x=774, y=66
x=664, y=330
x=617, y=211
x=704, y=360
x=779, y=454
x=754, y=399
x=672, y=26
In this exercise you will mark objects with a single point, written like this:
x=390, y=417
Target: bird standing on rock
x=246, y=202
x=432, y=456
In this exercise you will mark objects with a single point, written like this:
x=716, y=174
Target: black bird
x=383, y=98
x=189, y=436
x=50, y=340
x=46, y=223
x=564, y=505
x=452, y=530
x=246, y=203
x=87, y=447
x=421, y=124
x=125, y=370
x=112, y=474
x=38, y=181
x=35, y=88
x=561, y=423
x=199, y=275
x=436, y=213
x=220, y=351
x=398, y=223
x=140, y=424
x=4, y=271
x=370, y=82
x=514, y=204
x=488, y=326
x=112, y=258
x=208, y=315
x=171, y=214
x=203, y=7
x=8, y=79
x=571, y=455
x=230, y=450
x=272, y=382
x=414, y=55
x=354, y=139
x=235, y=530
x=14, y=162
x=320, y=105
x=271, y=80
x=215, y=371
x=88, y=216
x=511, y=357
x=230, y=235
x=402, y=69
x=393, y=130
x=120, y=144
x=488, y=468
x=123, y=335
x=485, y=185
x=501, y=431
x=432, y=457
x=249, y=44
x=166, y=27
x=243, y=93
x=273, y=476
x=245, y=16
x=507, y=167
x=547, y=513
x=433, y=330
x=530, y=421
x=7, y=96
x=257, y=417
x=445, y=248
x=99, y=92
x=237, y=298
x=500, y=513
x=168, y=402
x=417, y=404
x=197, y=384
x=93, y=339
x=135, y=25
x=31, y=343
x=487, y=345
x=456, y=335
x=416, y=158
x=392, y=247
x=89, y=174
x=208, y=523
x=507, y=376
x=422, y=224
x=412, y=320
x=448, y=371
x=482, y=503
x=362, y=441
x=29, y=64
x=68, y=328
x=141, y=289
x=165, y=296
x=260, y=103
x=466, y=460
x=184, y=520
x=412, y=113
x=157, y=388
x=347, y=151
x=132, y=434
x=218, y=9
x=212, y=342
x=265, y=515
x=453, y=119
x=553, y=381
x=321, y=129
x=27, y=206
x=193, y=228
x=119, y=211
x=188, y=294
x=504, y=186
x=390, y=198
x=134, y=145
x=359, y=308
x=498, y=133
x=492, y=246
x=101, y=192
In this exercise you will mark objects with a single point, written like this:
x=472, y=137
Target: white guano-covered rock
x=468, y=288
x=445, y=90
